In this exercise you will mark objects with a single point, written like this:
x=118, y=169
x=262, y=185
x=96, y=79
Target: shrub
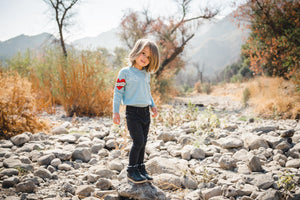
x=287, y=184
x=17, y=106
x=82, y=82
x=82, y=86
x=22, y=63
x=236, y=78
x=209, y=121
x=246, y=96
x=206, y=87
x=198, y=87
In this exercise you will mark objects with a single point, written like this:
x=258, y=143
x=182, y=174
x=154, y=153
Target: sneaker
x=134, y=175
x=143, y=172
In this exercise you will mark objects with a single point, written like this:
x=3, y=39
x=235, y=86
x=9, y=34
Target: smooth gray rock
x=96, y=147
x=59, y=130
x=227, y=162
x=67, y=187
x=84, y=190
x=254, y=164
x=104, y=184
x=26, y=187
x=46, y=159
x=9, y=172
x=257, y=143
x=64, y=167
x=83, y=154
x=263, y=181
x=10, y=182
x=189, y=182
x=55, y=162
x=287, y=133
x=270, y=194
x=166, y=136
x=62, y=154
x=105, y=173
x=20, y=139
x=295, y=163
x=211, y=192
x=265, y=129
x=198, y=153
x=116, y=165
x=68, y=139
x=42, y=173
x=230, y=142
x=160, y=165
x=167, y=181
x=6, y=144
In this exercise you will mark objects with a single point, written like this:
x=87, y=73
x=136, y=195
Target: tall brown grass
x=270, y=97
x=274, y=97
x=80, y=84
x=18, y=111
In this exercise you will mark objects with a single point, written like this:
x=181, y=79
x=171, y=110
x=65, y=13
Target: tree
x=171, y=34
x=273, y=47
x=200, y=70
x=62, y=16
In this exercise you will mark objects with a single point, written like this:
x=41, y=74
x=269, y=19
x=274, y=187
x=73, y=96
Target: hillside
x=217, y=47
x=22, y=42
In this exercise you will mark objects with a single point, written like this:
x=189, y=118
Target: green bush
x=246, y=96
x=236, y=78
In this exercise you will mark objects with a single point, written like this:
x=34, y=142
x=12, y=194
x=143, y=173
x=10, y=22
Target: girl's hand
x=116, y=118
x=154, y=111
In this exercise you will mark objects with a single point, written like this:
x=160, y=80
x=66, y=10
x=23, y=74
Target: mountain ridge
x=21, y=43
x=214, y=46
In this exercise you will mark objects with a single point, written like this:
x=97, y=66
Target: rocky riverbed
x=208, y=148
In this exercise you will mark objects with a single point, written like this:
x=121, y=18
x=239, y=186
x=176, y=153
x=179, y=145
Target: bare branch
x=184, y=5
x=61, y=14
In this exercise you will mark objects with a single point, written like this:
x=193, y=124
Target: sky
x=92, y=17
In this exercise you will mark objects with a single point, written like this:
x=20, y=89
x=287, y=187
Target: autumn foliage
x=273, y=47
x=18, y=110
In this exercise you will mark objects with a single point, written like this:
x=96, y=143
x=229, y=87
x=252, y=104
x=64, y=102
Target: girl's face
x=143, y=58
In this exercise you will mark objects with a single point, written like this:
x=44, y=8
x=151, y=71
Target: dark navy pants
x=138, y=122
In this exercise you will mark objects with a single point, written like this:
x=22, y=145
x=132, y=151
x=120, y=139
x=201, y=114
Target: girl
x=133, y=90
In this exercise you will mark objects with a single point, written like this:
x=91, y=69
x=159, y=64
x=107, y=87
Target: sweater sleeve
x=119, y=91
x=152, y=101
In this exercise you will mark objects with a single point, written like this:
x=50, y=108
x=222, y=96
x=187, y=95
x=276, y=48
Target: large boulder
x=144, y=191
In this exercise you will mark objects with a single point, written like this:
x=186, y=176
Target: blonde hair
x=154, y=54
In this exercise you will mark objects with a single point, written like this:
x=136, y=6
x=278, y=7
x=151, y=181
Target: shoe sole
x=137, y=182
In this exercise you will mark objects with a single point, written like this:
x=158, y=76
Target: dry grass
x=269, y=97
x=82, y=89
x=18, y=111
x=79, y=84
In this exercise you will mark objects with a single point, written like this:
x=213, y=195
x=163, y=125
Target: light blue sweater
x=132, y=88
